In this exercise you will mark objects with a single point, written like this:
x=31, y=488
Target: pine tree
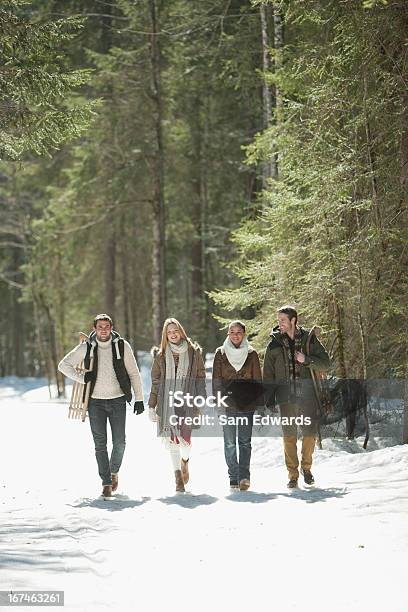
x=39, y=111
x=35, y=113
x=330, y=236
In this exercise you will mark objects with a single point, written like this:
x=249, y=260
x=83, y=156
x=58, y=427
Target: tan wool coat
x=195, y=383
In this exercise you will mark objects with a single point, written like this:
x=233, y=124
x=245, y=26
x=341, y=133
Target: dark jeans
x=238, y=469
x=99, y=411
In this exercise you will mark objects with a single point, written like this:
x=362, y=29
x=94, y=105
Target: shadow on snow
x=188, y=501
x=117, y=503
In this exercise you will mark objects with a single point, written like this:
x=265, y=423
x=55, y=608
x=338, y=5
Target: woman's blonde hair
x=164, y=340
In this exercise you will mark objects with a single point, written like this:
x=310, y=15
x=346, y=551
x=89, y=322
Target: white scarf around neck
x=236, y=356
x=178, y=349
x=174, y=381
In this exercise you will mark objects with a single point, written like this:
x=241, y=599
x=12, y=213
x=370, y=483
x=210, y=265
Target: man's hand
x=300, y=357
x=138, y=407
x=89, y=376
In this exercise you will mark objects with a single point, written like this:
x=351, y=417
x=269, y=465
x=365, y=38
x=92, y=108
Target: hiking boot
x=244, y=484
x=107, y=491
x=293, y=483
x=115, y=482
x=234, y=485
x=184, y=470
x=308, y=477
x=179, y=482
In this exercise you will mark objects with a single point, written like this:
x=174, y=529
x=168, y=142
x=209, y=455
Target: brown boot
x=107, y=491
x=244, y=484
x=179, y=482
x=184, y=470
x=115, y=482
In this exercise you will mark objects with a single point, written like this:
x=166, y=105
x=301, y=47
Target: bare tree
x=272, y=98
x=158, y=251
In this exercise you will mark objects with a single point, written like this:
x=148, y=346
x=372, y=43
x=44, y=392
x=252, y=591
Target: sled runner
x=318, y=378
x=78, y=405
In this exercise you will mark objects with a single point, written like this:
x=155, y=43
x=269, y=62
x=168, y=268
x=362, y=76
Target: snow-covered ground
x=341, y=546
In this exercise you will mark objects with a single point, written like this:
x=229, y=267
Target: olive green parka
x=276, y=375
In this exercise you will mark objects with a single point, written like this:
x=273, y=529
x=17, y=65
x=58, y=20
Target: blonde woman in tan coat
x=177, y=367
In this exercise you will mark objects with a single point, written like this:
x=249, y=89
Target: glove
x=89, y=376
x=153, y=415
x=138, y=407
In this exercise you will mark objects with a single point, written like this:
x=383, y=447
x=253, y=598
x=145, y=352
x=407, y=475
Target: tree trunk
x=269, y=167
x=18, y=318
x=125, y=280
x=403, y=27
x=42, y=352
x=59, y=305
x=110, y=273
x=158, y=252
x=363, y=335
x=53, y=350
x=405, y=424
x=198, y=134
x=341, y=360
x=372, y=167
x=278, y=42
x=266, y=90
x=109, y=270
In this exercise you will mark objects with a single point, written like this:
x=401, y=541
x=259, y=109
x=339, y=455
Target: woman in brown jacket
x=237, y=373
x=177, y=367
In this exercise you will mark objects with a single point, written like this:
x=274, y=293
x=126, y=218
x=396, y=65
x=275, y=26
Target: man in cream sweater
x=113, y=375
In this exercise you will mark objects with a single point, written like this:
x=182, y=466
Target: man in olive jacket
x=290, y=356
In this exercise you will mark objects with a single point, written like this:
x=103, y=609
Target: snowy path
x=342, y=546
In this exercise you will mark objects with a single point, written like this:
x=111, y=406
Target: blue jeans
x=238, y=469
x=99, y=410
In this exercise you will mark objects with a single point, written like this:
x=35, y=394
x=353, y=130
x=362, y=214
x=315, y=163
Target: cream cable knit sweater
x=107, y=385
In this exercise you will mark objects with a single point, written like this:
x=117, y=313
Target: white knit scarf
x=236, y=356
x=174, y=381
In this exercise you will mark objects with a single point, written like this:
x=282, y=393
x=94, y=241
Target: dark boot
x=292, y=484
x=107, y=491
x=308, y=477
x=179, y=481
x=184, y=470
x=244, y=484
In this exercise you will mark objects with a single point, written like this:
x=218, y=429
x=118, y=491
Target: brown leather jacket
x=224, y=373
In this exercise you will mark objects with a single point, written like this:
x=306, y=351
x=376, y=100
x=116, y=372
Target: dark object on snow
x=245, y=393
x=349, y=398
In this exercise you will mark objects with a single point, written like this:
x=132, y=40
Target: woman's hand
x=153, y=415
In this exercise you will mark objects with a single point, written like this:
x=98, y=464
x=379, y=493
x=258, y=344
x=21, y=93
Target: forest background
x=206, y=160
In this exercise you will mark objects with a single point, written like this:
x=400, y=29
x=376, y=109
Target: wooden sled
x=322, y=397
x=78, y=405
